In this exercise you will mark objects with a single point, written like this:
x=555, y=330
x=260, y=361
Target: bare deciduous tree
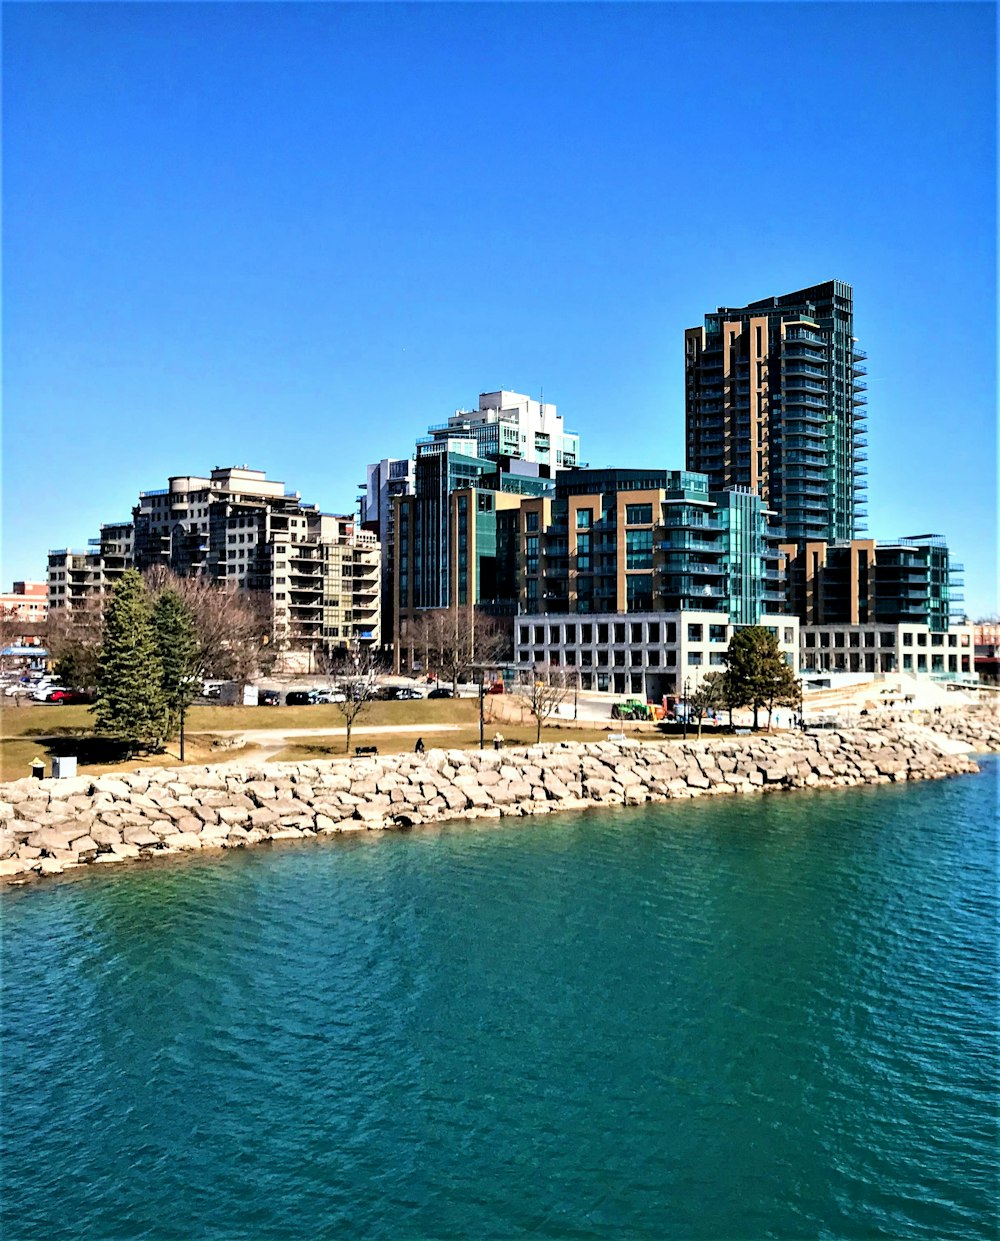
x=455, y=640
x=73, y=639
x=232, y=627
x=357, y=672
x=10, y=628
x=544, y=690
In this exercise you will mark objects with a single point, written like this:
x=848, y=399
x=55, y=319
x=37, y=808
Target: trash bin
x=63, y=766
x=38, y=768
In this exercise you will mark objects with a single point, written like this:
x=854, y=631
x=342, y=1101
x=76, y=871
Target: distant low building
x=987, y=647
x=24, y=609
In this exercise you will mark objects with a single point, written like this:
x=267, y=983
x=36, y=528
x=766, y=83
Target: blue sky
x=294, y=235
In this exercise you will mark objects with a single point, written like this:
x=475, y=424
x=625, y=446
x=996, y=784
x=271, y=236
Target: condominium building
x=510, y=426
x=451, y=549
x=775, y=400
x=649, y=654
x=385, y=480
x=860, y=581
x=648, y=540
x=236, y=527
x=77, y=577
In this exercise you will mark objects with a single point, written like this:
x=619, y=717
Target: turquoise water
x=766, y=1017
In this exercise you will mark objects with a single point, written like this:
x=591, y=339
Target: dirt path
x=267, y=743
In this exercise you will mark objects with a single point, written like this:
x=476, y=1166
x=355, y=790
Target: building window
x=717, y=633
x=717, y=659
x=695, y=634
x=907, y=639
x=638, y=596
x=584, y=518
x=531, y=520
x=653, y=631
x=694, y=658
x=638, y=514
x=639, y=549
x=789, y=637
x=810, y=639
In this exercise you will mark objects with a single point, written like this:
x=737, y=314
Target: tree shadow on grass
x=90, y=750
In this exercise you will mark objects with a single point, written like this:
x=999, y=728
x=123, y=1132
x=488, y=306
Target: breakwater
x=47, y=826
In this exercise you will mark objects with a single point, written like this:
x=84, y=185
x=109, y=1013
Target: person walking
x=419, y=747
x=498, y=741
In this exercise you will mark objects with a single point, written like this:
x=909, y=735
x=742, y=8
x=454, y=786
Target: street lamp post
x=687, y=690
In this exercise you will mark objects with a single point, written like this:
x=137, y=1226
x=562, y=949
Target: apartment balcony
x=674, y=544
x=799, y=383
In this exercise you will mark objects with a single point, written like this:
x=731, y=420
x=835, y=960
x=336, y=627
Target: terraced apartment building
x=234, y=526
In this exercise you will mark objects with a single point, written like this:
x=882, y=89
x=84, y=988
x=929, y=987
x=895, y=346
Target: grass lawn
x=39, y=731
x=434, y=711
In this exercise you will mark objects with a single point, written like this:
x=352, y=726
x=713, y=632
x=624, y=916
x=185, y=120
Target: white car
x=327, y=695
x=41, y=694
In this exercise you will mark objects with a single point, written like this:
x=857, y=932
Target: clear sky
x=293, y=236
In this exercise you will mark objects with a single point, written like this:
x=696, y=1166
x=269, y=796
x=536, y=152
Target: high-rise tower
x=775, y=400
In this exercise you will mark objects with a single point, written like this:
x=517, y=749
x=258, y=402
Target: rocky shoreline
x=49, y=826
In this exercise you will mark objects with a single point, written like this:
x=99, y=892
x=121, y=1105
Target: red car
x=62, y=696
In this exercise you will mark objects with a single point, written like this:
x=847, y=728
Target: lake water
x=759, y=1017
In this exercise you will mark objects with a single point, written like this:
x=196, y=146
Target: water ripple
x=765, y=1018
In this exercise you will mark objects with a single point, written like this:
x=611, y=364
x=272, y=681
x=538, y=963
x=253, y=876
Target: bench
x=361, y=750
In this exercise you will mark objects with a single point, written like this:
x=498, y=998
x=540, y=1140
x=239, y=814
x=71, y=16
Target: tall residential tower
x=775, y=401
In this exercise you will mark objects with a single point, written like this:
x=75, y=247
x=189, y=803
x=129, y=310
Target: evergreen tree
x=177, y=646
x=130, y=702
x=757, y=675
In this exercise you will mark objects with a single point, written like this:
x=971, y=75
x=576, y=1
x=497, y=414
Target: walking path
x=269, y=742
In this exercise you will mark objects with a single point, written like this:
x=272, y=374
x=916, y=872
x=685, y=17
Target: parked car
x=441, y=692
x=408, y=693
x=42, y=693
x=326, y=695
x=269, y=698
x=68, y=696
x=495, y=688
x=299, y=698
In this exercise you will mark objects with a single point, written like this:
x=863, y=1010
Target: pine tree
x=177, y=647
x=130, y=702
x=757, y=674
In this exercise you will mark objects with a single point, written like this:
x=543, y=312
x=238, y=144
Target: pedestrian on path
x=498, y=741
x=419, y=747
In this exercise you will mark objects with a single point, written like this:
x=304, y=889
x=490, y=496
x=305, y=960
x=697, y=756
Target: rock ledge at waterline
x=48, y=826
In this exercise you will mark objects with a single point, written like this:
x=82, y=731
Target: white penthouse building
x=512, y=425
